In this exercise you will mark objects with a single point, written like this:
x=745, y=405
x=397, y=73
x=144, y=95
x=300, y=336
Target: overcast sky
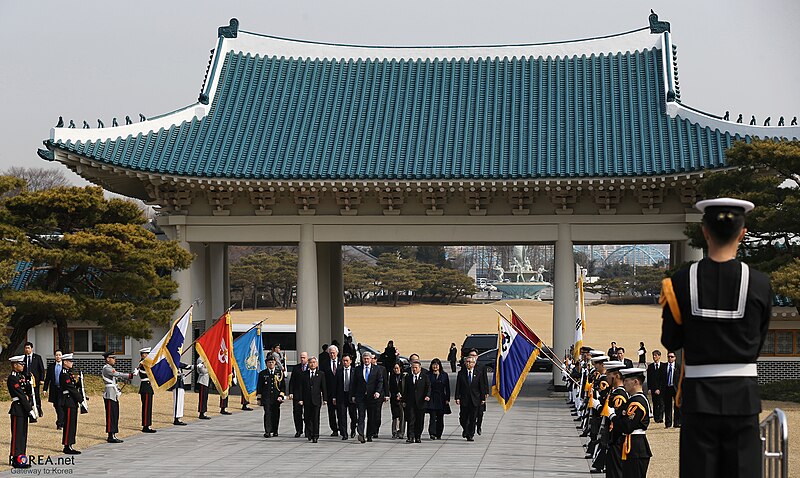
x=100, y=59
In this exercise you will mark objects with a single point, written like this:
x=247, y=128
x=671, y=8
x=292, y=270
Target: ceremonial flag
x=161, y=364
x=515, y=357
x=215, y=346
x=580, y=316
x=249, y=353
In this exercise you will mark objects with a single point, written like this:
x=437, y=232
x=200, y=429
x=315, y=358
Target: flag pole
x=212, y=325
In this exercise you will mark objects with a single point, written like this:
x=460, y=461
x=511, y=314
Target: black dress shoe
x=297, y=434
x=113, y=439
x=463, y=434
x=584, y=434
x=352, y=433
x=478, y=430
x=409, y=440
x=595, y=470
x=574, y=414
x=433, y=437
x=309, y=438
x=369, y=439
x=68, y=450
x=344, y=437
x=334, y=434
x=247, y=408
x=417, y=440
x=178, y=422
x=148, y=430
x=314, y=440
x=266, y=435
x=470, y=439
x=361, y=438
x=225, y=412
x=274, y=434
x=204, y=417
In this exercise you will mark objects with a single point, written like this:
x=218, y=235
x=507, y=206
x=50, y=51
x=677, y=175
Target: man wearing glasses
x=670, y=374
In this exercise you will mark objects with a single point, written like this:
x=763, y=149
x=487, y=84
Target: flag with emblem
x=248, y=350
x=516, y=354
x=161, y=364
x=215, y=346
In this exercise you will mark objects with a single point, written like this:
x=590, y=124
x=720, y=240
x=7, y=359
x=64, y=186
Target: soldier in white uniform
x=203, y=382
x=111, y=395
x=178, y=393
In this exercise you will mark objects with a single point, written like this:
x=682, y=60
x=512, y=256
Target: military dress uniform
x=71, y=398
x=718, y=313
x=271, y=392
x=111, y=394
x=203, y=381
x=635, y=454
x=605, y=412
x=146, y=393
x=21, y=392
x=179, y=393
x=617, y=402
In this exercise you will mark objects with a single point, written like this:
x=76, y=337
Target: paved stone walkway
x=537, y=438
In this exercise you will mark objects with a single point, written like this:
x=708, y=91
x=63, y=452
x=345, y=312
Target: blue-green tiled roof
x=278, y=118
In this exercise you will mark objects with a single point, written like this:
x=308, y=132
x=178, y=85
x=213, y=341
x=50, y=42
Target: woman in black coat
x=440, y=399
x=396, y=380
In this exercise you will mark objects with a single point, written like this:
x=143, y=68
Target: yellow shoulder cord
x=668, y=298
x=679, y=393
x=626, y=445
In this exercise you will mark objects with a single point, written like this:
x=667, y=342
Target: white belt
x=721, y=370
x=14, y=399
x=145, y=380
x=638, y=432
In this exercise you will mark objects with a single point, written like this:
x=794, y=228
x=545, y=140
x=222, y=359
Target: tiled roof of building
x=281, y=109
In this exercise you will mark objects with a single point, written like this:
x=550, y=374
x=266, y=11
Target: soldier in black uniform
x=617, y=401
x=271, y=392
x=71, y=398
x=146, y=393
x=20, y=390
x=633, y=425
x=599, y=392
x=718, y=311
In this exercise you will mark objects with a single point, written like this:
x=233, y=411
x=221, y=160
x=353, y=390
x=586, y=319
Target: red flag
x=215, y=346
x=523, y=328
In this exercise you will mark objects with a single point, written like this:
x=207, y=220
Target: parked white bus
x=283, y=334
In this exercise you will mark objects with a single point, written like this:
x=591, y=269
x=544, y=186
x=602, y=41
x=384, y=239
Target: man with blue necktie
x=369, y=390
x=52, y=385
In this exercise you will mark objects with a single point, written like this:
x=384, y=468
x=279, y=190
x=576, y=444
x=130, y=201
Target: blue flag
x=249, y=353
x=161, y=364
x=515, y=356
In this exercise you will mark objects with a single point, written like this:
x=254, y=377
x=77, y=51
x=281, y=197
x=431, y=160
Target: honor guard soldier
x=718, y=311
x=635, y=454
x=111, y=395
x=21, y=392
x=611, y=437
x=146, y=393
x=598, y=393
x=203, y=380
x=271, y=392
x=71, y=398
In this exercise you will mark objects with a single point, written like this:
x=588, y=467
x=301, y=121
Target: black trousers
x=614, y=461
x=297, y=414
x=332, y=414
x=202, y=400
x=453, y=365
x=70, y=426
x=147, y=409
x=59, y=414
x=637, y=468
x=415, y=417
x=344, y=408
x=223, y=403
x=672, y=414
x=366, y=417
x=377, y=414
x=716, y=446
x=311, y=413
x=479, y=415
x=19, y=438
x=112, y=415
x=657, y=400
x=468, y=417
x=436, y=423
x=272, y=416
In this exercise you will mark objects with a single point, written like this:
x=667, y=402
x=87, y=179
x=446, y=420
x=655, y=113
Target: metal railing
x=775, y=445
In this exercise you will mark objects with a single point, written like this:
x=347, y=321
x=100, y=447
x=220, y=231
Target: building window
x=91, y=341
x=782, y=343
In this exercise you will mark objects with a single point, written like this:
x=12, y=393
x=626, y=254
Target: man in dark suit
x=344, y=397
x=332, y=367
x=314, y=393
x=621, y=357
x=612, y=351
x=296, y=393
x=385, y=398
x=654, y=384
x=416, y=397
x=481, y=371
x=52, y=381
x=369, y=389
x=471, y=392
x=34, y=367
x=670, y=376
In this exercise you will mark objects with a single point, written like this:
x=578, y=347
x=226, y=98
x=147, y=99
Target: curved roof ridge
x=707, y=120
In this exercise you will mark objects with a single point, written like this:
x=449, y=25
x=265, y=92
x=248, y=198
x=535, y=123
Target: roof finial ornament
x=86, y=125
x=230, y=31
x=780, y=121
x=100, y=123
x=753, y=120
x=766, y=121
x=60, y=123
x=739, y=119
x=727, y=116
x=794, y=121
x=657, y=26
x=114, y=121
x=128, y=119
x=72, y=124
x=142, y=118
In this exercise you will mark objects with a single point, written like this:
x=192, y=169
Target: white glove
x=596, y=405
x=33, y=414
x=612, y=414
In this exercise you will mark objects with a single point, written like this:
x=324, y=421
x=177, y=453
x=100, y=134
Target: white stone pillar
x=216, y=270
x=337, y=293
x=691, y=254
x=563, y=298
x=226, y=277
x=324, y=292
x=307, y=293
